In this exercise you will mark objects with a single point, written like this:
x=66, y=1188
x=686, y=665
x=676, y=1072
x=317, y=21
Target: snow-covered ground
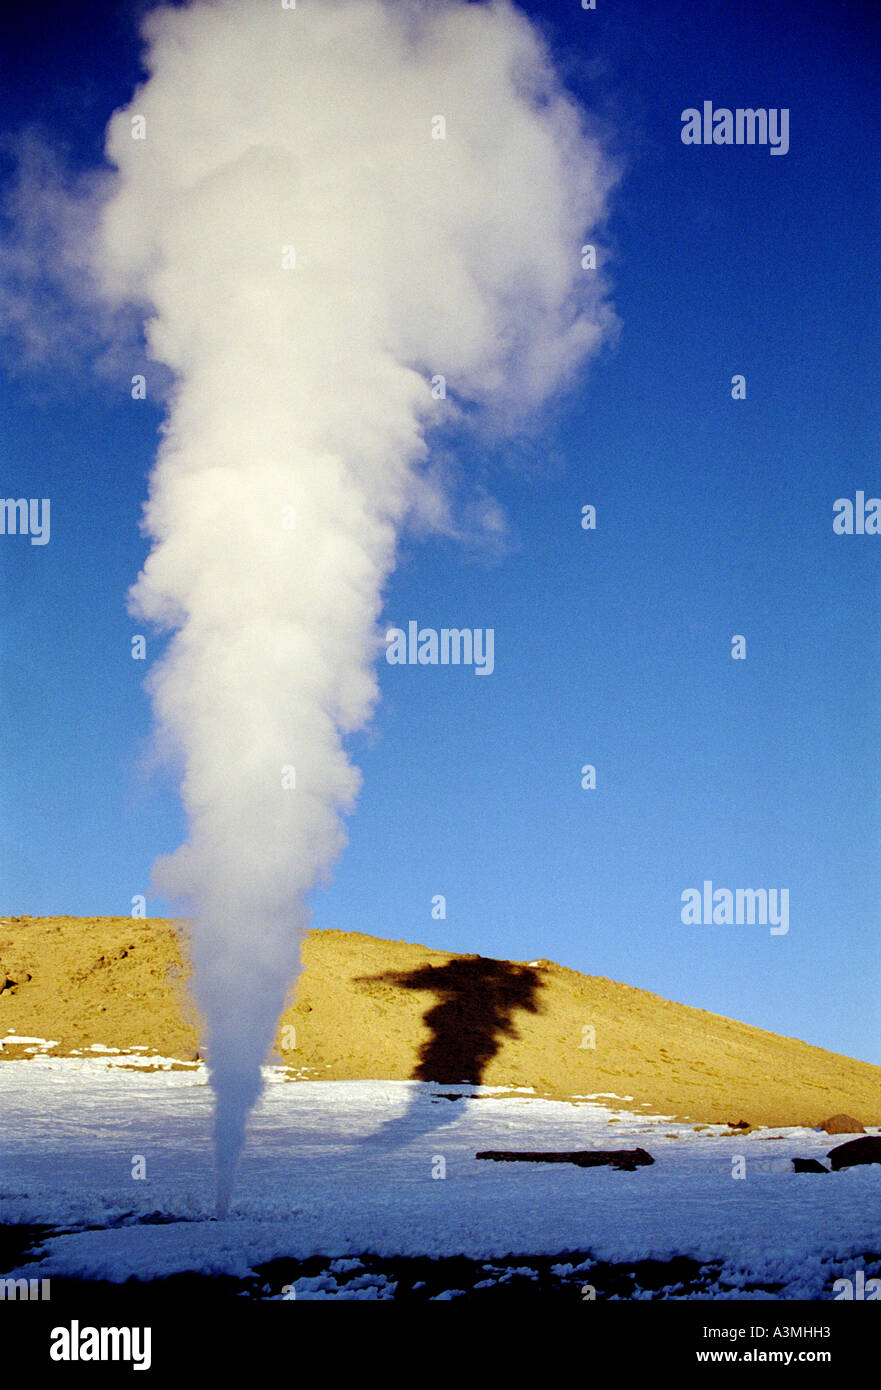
x=340, y=1169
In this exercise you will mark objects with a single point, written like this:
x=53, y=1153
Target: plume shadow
x=475, y=1001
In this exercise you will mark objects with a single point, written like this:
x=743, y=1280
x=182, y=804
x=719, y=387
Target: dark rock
x=866, y=1150
x=808, y=1165
x=741, y=1124
x=626, y=1160
x=841, y=1124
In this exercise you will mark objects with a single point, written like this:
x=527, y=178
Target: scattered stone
x=808, y=1165
x=741, y=1124
x=7, y=982
x=626, y=1160
x=841, y=1124
x=856, y=1151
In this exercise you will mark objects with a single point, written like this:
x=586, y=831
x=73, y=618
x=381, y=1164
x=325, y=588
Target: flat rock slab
x=625, y=1159
x=866, y=1150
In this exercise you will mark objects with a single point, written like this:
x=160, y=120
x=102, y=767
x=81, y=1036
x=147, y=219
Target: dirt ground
x=366, y=1008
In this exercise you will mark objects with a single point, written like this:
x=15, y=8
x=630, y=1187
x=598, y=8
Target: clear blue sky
x=611, y=648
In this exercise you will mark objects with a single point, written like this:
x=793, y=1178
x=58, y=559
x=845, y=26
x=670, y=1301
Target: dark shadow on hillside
x=473, y=1012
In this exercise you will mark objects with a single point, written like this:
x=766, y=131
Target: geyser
x=315, y=209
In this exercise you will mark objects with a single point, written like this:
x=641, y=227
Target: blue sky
x=611, y=647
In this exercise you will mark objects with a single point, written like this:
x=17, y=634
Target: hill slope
x=366, y=1008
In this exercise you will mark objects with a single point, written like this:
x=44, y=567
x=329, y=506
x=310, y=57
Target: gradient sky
x=611, y=647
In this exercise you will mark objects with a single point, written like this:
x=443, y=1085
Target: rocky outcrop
x=855, y=1152
x=841, y=1124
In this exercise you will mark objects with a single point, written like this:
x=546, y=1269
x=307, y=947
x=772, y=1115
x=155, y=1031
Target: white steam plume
x=305, y=386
